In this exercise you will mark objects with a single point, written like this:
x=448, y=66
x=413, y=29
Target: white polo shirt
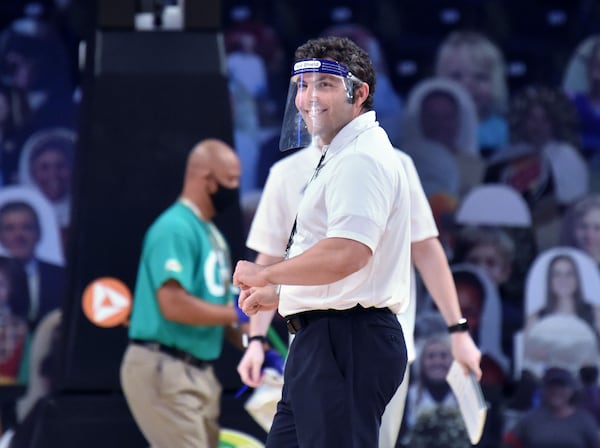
x=360, y=193
x=422, y=227
x=279, y=201
x=278, y=205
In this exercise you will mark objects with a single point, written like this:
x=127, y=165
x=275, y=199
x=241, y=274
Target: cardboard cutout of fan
x=560, y=340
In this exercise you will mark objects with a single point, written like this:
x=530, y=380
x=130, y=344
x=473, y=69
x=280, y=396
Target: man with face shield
x=346, y=270
x=181, y=306
x=313, y=114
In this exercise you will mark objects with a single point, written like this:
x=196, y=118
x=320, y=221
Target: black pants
x=341, y=371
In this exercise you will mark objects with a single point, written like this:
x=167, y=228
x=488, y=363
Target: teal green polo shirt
x=179, y=246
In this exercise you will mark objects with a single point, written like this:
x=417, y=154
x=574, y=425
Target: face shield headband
x=310, y=79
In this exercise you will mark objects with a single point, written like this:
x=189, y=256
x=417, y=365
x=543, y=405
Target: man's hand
x=251, y=363
x=253, y=300
x=248, y=274
x=466, y=352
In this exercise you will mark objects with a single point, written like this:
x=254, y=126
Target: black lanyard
x=293, y=232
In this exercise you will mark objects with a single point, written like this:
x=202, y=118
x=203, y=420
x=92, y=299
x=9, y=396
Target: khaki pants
x=174, y=404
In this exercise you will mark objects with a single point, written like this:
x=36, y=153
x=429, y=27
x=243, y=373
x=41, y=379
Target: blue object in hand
x=241, y=316
x=274, y=360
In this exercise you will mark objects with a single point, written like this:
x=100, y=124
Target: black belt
x=174, y=352
x=297, y=322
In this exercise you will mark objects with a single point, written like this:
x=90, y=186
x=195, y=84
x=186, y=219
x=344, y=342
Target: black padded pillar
x=148, y=98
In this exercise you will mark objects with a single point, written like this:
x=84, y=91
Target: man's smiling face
x=323, y=102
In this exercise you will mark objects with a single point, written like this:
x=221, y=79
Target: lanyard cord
x=217, y=243
x=293, y=232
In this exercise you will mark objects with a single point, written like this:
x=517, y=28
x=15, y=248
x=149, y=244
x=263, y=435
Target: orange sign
x=107, y=302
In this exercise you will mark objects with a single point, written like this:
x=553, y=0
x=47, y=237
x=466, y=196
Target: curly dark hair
x=344, y=51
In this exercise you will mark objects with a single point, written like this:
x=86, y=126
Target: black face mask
x=223, y=198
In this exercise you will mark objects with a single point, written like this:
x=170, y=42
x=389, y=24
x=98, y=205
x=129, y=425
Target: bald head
x=211, y=164
x=212, y=157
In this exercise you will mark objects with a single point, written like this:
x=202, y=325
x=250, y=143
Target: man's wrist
x=459, y=327
x=246, y=340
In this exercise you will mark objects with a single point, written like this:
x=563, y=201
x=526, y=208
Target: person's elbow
x=168, y=300
x=424, y=252
x=353, y=258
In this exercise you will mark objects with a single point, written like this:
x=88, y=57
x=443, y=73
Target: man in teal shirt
x=182, y=303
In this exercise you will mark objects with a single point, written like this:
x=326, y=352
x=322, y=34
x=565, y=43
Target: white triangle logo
x=106, y=302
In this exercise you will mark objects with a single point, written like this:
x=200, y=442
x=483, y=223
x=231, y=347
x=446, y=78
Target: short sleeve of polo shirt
x=422, y=223
x=358, y=200
x=171, y=257
x=270, y=227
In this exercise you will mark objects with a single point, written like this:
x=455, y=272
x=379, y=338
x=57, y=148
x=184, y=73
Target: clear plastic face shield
x=314, y=86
